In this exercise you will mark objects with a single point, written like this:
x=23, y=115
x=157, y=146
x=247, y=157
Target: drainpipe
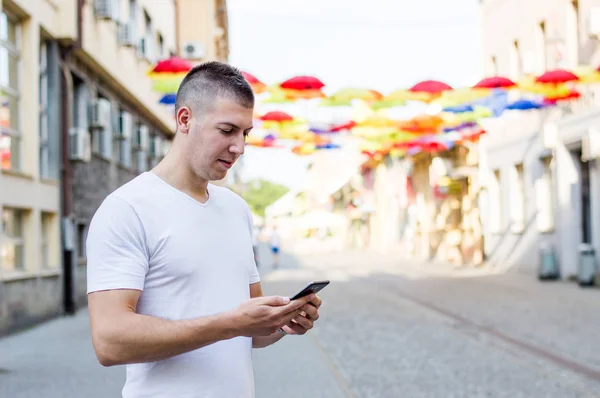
x=66, y=178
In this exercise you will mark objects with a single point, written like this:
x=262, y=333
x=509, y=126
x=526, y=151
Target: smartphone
x=312, y=287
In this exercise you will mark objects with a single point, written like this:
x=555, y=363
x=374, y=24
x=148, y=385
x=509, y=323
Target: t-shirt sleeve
x=117, y=255
x=252, y=269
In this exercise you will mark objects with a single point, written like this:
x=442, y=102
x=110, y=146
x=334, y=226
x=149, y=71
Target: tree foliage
x=261, y=193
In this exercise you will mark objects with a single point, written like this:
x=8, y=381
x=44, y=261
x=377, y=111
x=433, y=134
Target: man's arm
x=122, y=336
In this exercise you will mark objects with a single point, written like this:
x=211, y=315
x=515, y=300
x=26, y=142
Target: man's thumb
x=276, y=300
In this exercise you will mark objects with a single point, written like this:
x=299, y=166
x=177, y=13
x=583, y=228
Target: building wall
x=512, y=140
x=33, y=291
x=208, y=27
x=565, y=41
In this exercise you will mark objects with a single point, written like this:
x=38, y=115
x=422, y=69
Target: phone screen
x=312, y=287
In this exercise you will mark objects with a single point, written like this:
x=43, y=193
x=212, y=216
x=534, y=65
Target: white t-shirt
x=189, y=259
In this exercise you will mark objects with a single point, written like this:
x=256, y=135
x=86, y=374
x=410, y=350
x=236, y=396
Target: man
x=174, y=292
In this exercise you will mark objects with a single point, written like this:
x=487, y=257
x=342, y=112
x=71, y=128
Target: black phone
x=312, y=287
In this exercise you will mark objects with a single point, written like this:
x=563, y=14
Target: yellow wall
x=197, y=23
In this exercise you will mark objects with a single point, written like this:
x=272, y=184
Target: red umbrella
x=250, y=78
x=345, y=126
x=557, y=76
x=303, y=83
x=256, y=84
x=430, y=87
x=173, y=65
x=495, y=82
x=276, y=116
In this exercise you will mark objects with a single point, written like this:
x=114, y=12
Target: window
x=10, y=136
x=148, y=41
x=517, y=198
x=81, y=238
x=142, y=146
x=161, y=46
x=48, y=241
x=544, y=197
x=125, y=127
x=43, y=93
x=13, y=244
x=495, y=204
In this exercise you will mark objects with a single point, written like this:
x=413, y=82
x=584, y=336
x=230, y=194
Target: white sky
x=378, y=44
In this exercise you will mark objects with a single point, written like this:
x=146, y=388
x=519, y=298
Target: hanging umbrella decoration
x=428, y=90
x=166, y=76
x=303, y=87
x=345, y=96
x=495, y=82
x=257, y=86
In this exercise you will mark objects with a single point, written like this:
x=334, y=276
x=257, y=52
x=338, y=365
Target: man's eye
x=226, y=131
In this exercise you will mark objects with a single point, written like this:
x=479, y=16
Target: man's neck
x=182, y=179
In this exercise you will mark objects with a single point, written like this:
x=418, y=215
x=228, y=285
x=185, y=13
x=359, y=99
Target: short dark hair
x=206, y=82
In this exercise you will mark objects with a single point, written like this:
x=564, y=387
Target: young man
x=173, y=289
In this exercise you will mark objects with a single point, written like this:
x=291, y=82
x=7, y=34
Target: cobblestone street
x=388, y=329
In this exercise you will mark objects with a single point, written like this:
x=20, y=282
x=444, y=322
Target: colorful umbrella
x=303, y=83
x=172, y=65
x=168, y=99
x=557, y=76
x=257, y=86
x=276, y=116
x=495, y=82
x=524, y=105
x=430, y=87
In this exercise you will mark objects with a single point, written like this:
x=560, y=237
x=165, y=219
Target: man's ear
x=184, y=118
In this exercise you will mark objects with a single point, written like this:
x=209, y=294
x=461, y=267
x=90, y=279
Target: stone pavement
x=389, y=328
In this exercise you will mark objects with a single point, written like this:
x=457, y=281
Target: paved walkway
x=389, y=328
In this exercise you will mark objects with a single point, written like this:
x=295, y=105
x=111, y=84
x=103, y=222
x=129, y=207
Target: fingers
x=303, y=321
x=273, y=301
x=295, y=328
x=310, y=311
x=316, y=301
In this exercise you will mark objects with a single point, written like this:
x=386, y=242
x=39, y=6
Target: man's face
x=216, y=139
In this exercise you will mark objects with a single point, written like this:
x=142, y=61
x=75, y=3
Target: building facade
x=541, y=181
x=79, y=119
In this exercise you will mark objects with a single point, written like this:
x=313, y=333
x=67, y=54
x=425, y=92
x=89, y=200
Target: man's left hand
x=306, y=320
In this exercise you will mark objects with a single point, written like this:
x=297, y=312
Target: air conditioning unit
x=192, y=50
x=79, y=144
x=99, y=113
x=143, y=138
x=107, y=9
x=126, y=126
x=128, y=34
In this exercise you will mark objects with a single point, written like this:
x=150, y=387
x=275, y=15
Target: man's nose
x=238, y=146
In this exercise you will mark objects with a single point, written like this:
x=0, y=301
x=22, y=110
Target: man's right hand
x=263, y=316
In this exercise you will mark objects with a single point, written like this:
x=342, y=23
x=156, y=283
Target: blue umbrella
x=168, y=99
x=524, y=105
x=459, y=109
x=327, y=146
